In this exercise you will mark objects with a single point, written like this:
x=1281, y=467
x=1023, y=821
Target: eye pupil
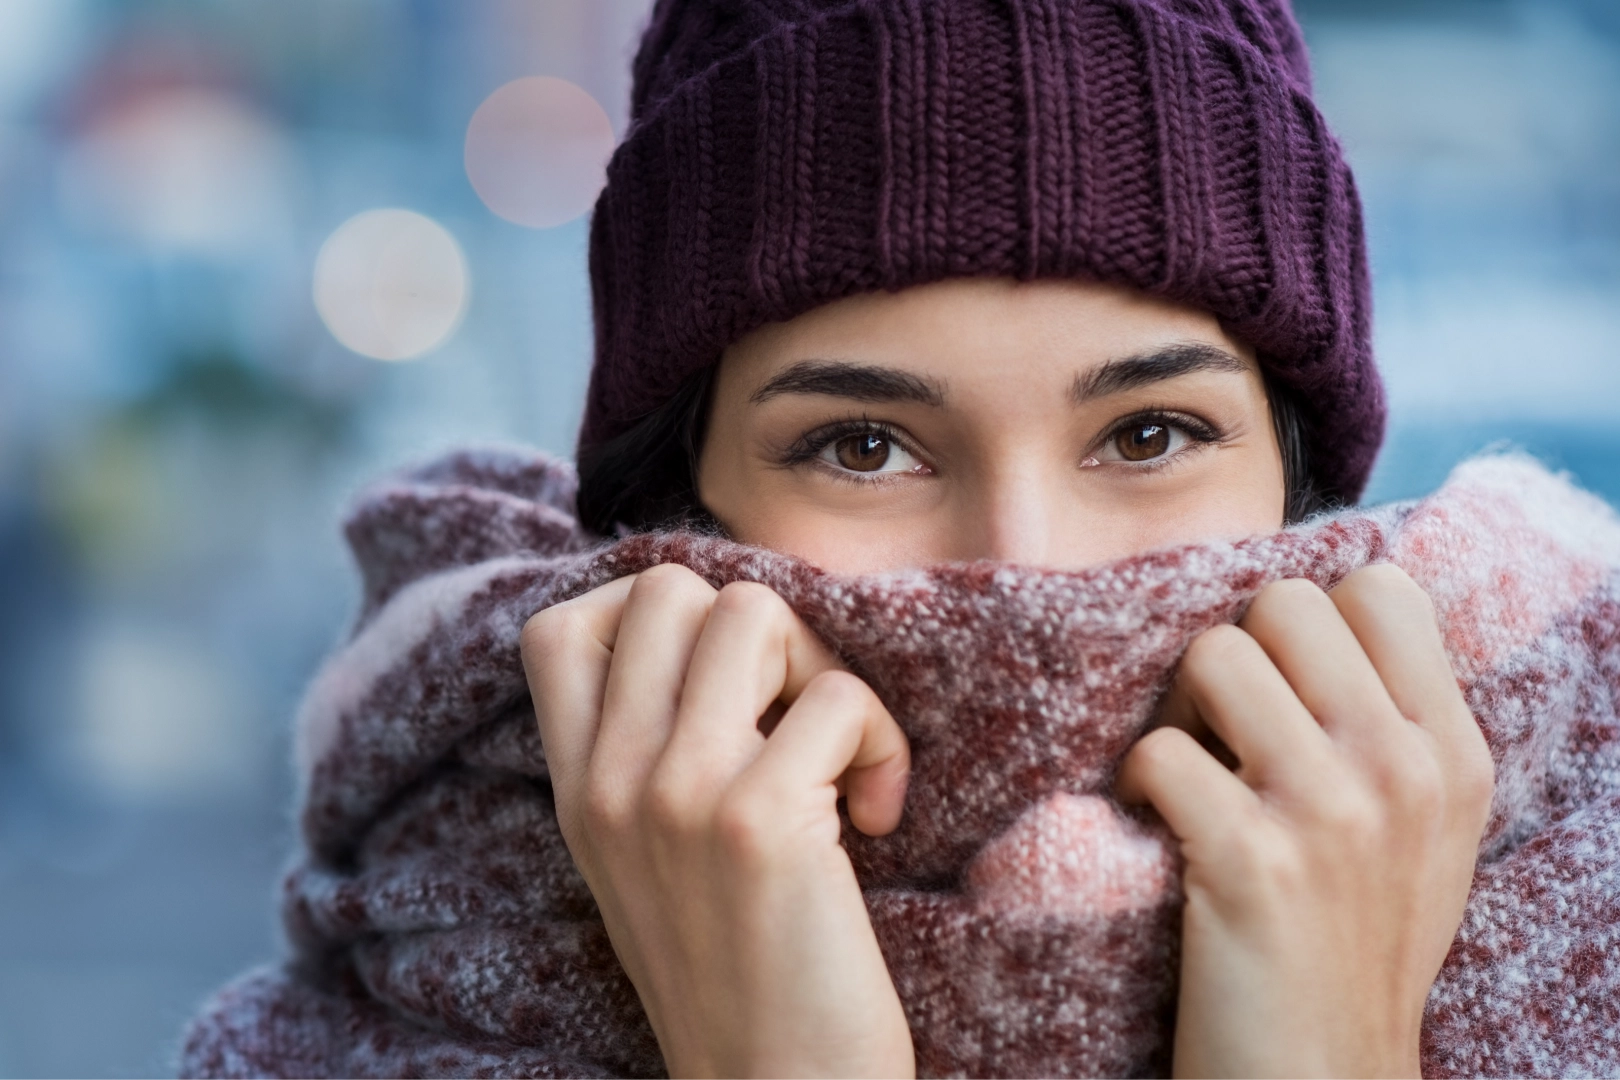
x=863, y=453
x=1143, y=441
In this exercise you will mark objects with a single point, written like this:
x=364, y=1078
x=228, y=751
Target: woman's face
x=1056, y=423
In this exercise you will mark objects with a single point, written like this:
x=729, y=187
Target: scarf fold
x=437, y=925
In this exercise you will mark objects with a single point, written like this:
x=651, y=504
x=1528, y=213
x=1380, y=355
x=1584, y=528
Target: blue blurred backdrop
x=180, y=258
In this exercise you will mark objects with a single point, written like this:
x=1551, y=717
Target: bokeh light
x=160, y=715
x=537, y=151
x=391, y=284
x=184, y=169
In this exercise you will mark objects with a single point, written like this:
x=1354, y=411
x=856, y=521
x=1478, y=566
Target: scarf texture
x=437, y=926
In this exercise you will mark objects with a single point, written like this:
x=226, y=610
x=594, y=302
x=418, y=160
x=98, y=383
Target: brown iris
x=867, y=452
x=1142, y=442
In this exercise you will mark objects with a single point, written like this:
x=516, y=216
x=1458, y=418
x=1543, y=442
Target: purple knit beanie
x=786, y=153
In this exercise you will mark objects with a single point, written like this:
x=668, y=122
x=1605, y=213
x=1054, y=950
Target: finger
x=567, y=650
x=664, y=615
x=753, y=650
x=1301, y=629
x=1394, y=622
x=1197, y=797
x=838, y=729
x=1231, y=685
x=1179, y=711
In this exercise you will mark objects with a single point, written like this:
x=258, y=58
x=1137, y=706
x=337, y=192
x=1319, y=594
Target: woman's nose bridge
x=1018, y=515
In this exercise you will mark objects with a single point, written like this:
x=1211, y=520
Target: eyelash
x=1200, y=434
x=807, y=448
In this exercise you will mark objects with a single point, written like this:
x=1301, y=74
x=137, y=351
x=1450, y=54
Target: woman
x=1092, y=284
x=1034, y=306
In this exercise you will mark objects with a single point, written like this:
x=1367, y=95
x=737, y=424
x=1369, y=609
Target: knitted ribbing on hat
x=786, y=153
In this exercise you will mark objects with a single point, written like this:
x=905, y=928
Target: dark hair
x=1288, y=419
x=646, y=478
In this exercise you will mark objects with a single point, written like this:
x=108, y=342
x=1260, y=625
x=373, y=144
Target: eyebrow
x=858, y=382
x=1130, y=372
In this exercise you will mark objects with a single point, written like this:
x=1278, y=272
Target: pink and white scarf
x=437, y=926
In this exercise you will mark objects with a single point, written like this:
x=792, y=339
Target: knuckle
x=1421, y=784
x=1353, y=819
x=668, y=580
x=1151, y=761
x=1382, y=578
x=750, y=599
x=603, y=810
x=546, y=632
x=1219, y=646
x=1264, y=860
x=1159, y=747
x=1287, y=594
x=1278, y=604
x=742, y=826
x=842, y=690
x=1388, y=587
x=669, y=806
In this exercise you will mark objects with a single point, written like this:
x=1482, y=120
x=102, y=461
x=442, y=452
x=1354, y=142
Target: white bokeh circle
x=537, y=151
x=391, y=284
x=186, y=169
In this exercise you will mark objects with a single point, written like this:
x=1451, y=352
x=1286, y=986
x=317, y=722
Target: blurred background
x=253, y=252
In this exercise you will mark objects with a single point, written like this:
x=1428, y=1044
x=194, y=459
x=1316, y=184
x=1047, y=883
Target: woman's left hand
x=1326, y=877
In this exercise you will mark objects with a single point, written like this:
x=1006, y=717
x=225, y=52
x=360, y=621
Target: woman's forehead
x=1085, y=335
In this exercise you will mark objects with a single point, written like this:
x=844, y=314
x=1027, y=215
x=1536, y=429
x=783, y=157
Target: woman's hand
x=713, y=851
x=1326, y=878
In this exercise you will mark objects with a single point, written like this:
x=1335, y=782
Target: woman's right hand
x=713, y=850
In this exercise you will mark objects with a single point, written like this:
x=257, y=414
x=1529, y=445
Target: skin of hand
x=711, y=848
x=1326, y=877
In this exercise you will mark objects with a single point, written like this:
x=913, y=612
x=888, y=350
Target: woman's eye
x=1143, y=441
x=868, y=452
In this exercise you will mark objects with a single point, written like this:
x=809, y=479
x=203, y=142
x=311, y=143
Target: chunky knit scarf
x=438, y=927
